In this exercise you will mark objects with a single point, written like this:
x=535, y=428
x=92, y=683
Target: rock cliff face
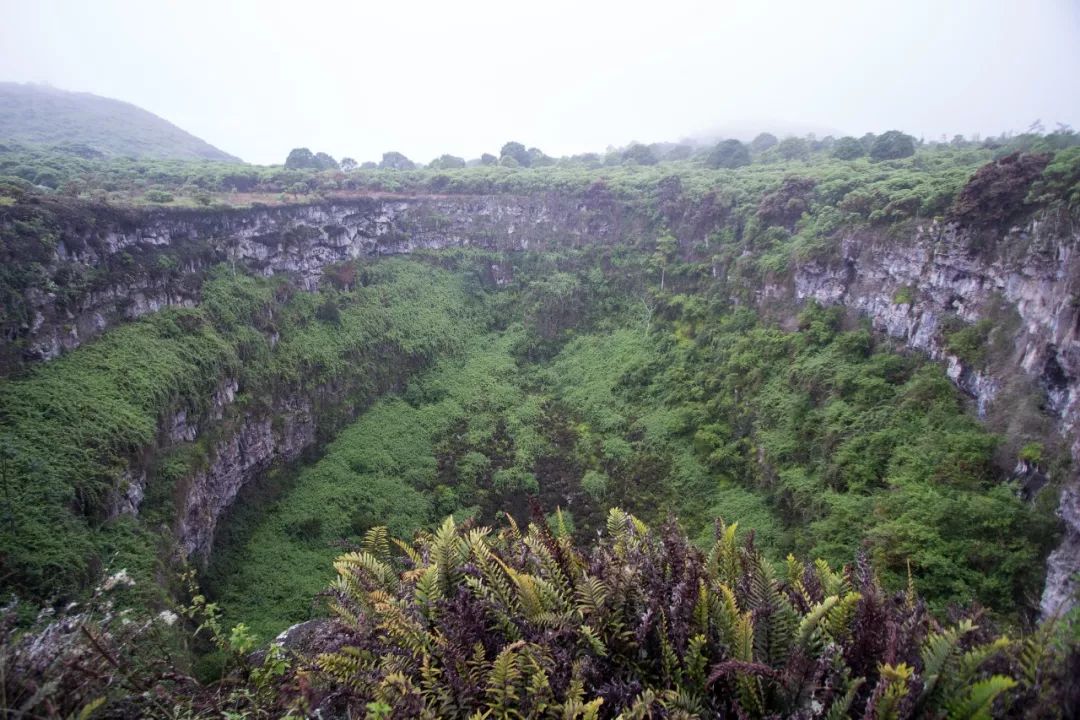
x=300, y=240
x=259, y=441
x=1027, y=282
x=914, y=286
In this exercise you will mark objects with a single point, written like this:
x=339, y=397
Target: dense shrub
x=997, y=191
x=729, y=154
x=892, y=145
x=470, y=622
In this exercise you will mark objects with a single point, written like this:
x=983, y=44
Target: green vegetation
x=91, y=126
x=889, y=181
x=969, y=342
x=824, y=441
x=904, y=295
x=547, y=386
x=522, y=622
x=469, y=622
x=71, y=429
x=382, y=470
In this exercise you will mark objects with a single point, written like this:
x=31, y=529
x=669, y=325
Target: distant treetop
x=892, y=145
x=304, y=159
x=763, y=142
x=516, y=152
x=394, y=160
x=729, y=154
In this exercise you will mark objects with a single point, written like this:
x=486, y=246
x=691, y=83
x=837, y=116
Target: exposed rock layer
x=300, y=240
x=1027, y=282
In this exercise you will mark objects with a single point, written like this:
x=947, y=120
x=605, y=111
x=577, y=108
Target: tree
x=848, y=148
x=516, y=151
x=325, y=162
x=681, y=151
x=348, y=164
x=394, y=160
x=447, y=162
x=537, y=158
x=729, y=154
x=300, y=159
x=369, y=165
x=892, y=145
x=793, y=148
x=763, y=142
x=638, y=154
x=589, y=160
x=488, y=159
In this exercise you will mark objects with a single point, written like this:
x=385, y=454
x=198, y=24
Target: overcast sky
x=356, y=78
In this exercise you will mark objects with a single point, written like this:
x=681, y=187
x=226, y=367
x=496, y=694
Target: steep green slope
x=87, y=124
x=70, y=429
x=820, y=440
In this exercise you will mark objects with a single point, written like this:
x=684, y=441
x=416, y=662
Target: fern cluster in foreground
x=467, y=622
x=470, y=622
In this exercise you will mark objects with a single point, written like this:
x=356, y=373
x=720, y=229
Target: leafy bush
x=997, y=191
x=468, y=622
x=969, y=343
x=892, y=145
x=904, y=295
x=595, y=484
x=729, y=154
x=848, y=148
x=158, y=196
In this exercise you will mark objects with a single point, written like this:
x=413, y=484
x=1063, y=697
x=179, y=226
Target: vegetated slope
x=70, y=430
x=87, y=124
x=821, y=440
x=635, y=373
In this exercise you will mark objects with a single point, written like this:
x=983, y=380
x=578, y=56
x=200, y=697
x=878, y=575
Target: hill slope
x=42, y=115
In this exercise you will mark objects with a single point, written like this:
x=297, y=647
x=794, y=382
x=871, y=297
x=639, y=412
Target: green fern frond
x=591, y=594
x=367, y=564
x=377, y=542
x=724, y=612
x=1037, y=647
x=618, y=529
x=700, y=614
x=696, y=661
x=428, y=591
x=976, y=704
x=502, y=691
x=832, y=582
x=722, y=562
x=970, y=662
x=896, y=679
x=937, y=651
x=348, y=666
x=809, y=624
x=409, y=550
x=838, y=623
x=593, y=640
x=839, y=709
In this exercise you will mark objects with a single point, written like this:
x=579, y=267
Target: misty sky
x=356, y=78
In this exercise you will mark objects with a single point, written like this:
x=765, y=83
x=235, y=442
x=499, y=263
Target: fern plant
x=470, y=622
